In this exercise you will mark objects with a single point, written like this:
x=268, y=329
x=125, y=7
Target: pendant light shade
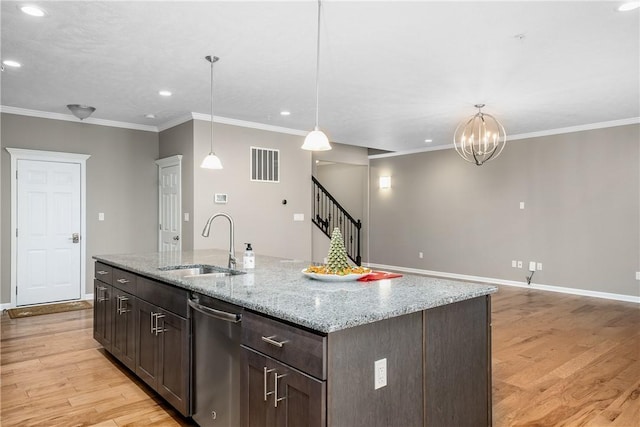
x=480, y=138
x=317, y=140
x=211, y=161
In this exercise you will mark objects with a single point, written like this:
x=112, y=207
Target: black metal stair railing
x=329, y=214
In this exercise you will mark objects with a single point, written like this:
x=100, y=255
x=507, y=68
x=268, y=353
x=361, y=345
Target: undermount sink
x=199, y=270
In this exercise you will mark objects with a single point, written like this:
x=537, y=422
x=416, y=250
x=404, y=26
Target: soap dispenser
x=249, y=258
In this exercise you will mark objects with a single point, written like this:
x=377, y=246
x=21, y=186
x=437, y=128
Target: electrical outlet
x=637, y=275
x=532, y=266
x=380, y=373
x=539, y=266
x=521, y=205
x=420, y=255
x=101, y=216
x=514, y=263
x=519, y=264
x=186, y=217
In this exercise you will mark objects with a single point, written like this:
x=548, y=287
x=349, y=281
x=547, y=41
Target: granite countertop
x=278, y=288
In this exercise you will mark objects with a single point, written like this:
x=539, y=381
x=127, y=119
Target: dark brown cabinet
x=163, y=353
x=123, y=345
x=144, y=324
x=274, y=394
x=102, y=313
x=282, y=374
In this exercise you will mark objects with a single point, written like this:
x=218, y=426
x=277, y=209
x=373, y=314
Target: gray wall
x=581, y=218
x=121, y=182
x=256, y=207
x=179, y=140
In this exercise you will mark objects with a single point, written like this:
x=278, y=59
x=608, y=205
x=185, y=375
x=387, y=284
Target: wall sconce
x=385, y=182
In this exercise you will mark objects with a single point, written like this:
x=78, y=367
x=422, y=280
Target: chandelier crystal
x=480, y=138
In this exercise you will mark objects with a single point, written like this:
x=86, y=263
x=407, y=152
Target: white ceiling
x=391, y=73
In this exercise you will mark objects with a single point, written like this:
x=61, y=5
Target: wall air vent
x=265, y=165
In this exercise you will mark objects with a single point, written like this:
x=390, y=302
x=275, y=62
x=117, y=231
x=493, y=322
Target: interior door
x=48, y=232
x=170, y=207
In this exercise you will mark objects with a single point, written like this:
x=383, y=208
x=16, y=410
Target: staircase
x=329, y=214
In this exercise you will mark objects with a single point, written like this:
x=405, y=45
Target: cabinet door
x=256, y=406
x=146, y=344
x=274, y=394
x=173, y=374
x=102, y=314
x=300, y=399
x=124, y=327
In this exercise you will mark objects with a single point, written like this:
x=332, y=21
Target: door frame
x=163, y=163
x=47, y=156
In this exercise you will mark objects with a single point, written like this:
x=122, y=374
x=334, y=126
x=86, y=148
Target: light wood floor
x=558, y=360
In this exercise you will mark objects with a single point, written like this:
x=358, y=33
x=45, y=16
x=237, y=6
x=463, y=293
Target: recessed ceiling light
x=428, y=140
x=150, y=116
x=285, y=113
x=164, y=93
x=32, y=10
x=10, y=63
x=630, y=5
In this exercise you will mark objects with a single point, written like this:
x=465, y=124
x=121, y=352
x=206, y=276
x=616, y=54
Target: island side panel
x=458, y=364
x=352, y=400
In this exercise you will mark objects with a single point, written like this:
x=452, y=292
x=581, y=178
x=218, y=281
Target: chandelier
x=479, y=138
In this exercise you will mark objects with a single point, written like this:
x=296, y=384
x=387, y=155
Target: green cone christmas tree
x=337, y=259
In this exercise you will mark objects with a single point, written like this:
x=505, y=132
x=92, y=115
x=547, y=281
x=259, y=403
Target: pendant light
x=316, y=140
x=480, y=138
x=211, y=161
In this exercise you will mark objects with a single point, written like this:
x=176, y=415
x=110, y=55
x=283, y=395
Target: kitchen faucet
x=232, y=250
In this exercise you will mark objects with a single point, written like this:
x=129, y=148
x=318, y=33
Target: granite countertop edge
x=278, y=289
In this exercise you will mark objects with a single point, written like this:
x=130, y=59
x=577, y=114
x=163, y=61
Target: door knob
x=75, y=237
x=176, y=237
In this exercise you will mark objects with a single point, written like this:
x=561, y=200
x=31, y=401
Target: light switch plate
x=521, y=205
x=220, y=198
x=298, y=217
x=101, y=216
x=186, y=217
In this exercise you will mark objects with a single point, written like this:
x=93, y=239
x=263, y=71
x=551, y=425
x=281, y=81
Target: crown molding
x=550, y=132
x=248, y=124
x=71, y=118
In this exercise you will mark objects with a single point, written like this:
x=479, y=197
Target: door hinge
x=16, y=174
x=160, y=227
x=16, y=232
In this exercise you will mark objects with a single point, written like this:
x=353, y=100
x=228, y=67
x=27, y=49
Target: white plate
x=333, y=277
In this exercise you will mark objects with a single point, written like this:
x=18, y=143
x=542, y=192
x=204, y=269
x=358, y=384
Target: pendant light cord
x=318, y=68
x=212, y=61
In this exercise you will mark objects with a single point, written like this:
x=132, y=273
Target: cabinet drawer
x=294, y=346
x=124, y=281
x=103, y=272
x=165, y=296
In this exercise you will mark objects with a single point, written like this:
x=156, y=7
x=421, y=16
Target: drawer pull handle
x=277, y=399
x=265, y=374
x=271, y=341
x=102, y=272
x=123, y=281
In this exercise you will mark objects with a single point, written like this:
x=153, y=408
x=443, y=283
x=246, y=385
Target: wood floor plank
x=558, y=360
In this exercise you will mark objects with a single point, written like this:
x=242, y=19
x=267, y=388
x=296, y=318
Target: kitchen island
x=405, y=351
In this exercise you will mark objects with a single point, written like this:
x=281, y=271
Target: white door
x=170, y=207
x=48, y=232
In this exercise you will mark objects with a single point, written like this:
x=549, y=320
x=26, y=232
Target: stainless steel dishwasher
x=215, y=364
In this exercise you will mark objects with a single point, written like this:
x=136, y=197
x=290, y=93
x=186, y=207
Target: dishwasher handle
x=212, y=312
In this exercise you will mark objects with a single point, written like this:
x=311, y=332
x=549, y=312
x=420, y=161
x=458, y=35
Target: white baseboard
x=7, y=305
x=542, y=287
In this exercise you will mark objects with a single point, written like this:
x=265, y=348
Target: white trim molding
x=559, y=131
x=51, y=156
x=541, y=287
